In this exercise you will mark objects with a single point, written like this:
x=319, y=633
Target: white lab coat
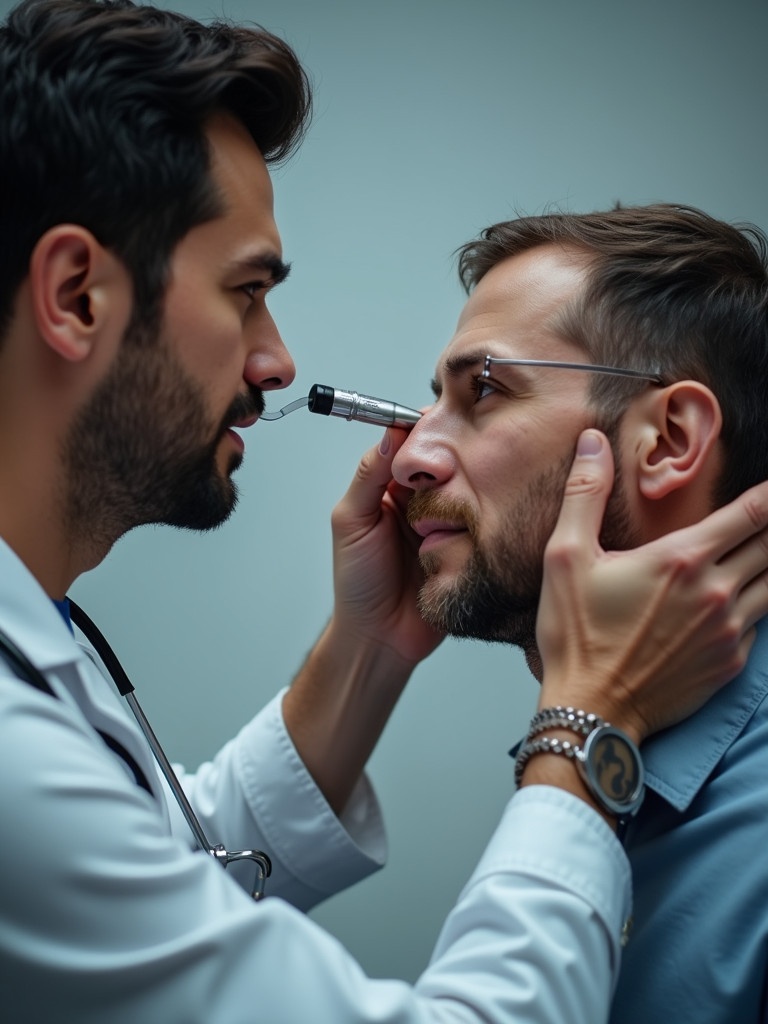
x=108, y=916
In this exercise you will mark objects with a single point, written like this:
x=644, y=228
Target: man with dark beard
x=650, y=323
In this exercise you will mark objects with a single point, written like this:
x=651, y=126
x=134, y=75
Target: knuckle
x=580, y=482
x=561, y=552
x=720, y=596
x=365, y=467
x=685, y=563
x=757, y=512
x=731, y=633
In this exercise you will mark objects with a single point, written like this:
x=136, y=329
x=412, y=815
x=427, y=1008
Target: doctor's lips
x=244, y=411
x=243, y=422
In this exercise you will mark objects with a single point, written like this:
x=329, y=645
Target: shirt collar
x=64, y=611
x=679, y=760
x=30, y=617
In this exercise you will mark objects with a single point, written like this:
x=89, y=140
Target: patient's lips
x=436, y=531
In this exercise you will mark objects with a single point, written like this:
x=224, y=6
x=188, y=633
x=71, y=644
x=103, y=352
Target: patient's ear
x=73, y=281
x=675, y=434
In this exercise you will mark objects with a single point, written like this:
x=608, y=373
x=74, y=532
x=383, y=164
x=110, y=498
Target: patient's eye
x=482, y=386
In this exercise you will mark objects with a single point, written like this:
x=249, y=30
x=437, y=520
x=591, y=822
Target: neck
x=35, y=523
x=44, y=547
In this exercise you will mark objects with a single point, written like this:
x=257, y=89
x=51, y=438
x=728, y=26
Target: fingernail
x=384, y=445
x=589, y=443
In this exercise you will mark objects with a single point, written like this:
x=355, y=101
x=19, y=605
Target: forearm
x=340, y=701
x=258, y=794
x=549, y=899
x=338, y=706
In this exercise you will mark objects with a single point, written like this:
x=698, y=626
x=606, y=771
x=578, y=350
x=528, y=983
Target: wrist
x=349, y=649
x=607, y=701
x=560, y=774
x=586, y=755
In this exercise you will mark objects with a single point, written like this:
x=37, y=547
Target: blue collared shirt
x=698, y=950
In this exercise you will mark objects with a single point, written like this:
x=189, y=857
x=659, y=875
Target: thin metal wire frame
x=616, y=371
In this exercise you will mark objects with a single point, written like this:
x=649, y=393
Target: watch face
x=614, y=769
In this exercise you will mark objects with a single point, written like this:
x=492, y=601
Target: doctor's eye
x=253, y=288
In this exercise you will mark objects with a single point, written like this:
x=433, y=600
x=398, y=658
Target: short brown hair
x=671, y=289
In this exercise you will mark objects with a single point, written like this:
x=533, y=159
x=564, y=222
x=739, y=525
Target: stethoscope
x=32, y=675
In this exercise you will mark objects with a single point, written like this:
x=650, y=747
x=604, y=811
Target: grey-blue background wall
x=433, y=119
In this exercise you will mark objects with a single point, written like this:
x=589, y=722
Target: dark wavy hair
x=668, y=287
x=103, y=109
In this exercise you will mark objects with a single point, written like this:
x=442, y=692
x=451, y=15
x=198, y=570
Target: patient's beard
x=496, y=596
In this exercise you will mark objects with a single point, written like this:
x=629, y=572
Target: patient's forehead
x=516, y=307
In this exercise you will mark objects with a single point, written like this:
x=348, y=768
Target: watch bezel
x=587, y=763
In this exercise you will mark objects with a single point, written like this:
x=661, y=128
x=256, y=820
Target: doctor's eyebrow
x=456, y=366
x=269, y=263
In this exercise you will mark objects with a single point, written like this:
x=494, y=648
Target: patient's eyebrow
x=457, y=366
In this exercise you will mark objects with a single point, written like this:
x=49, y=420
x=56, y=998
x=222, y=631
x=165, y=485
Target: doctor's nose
x=269, y=365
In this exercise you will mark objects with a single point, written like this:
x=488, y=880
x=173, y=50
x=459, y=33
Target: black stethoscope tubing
x=27, y=671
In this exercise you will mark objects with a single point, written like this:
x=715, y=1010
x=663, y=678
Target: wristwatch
x=612, y=770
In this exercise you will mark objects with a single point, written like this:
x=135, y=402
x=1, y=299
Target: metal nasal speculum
x=349, y=405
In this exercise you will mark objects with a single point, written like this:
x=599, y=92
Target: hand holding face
x=377, y=575
x=644, y=637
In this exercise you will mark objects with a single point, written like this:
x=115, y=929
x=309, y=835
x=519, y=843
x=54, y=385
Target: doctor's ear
x=74, y=281
x=675, y=431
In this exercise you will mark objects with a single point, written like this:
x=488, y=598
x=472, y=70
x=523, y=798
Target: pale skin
x=71, y=313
